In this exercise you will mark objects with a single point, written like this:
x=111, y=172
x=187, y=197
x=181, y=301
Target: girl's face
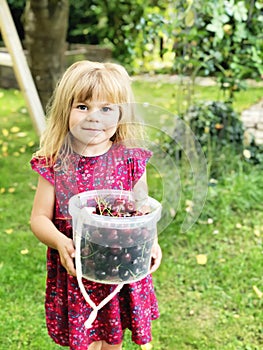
x=92, y=124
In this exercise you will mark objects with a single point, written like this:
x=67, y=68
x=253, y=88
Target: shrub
x=216, y=127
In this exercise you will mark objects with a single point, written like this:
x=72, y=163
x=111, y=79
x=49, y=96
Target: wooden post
x=20, y=66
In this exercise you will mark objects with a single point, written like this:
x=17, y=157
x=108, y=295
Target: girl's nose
x=93, y=115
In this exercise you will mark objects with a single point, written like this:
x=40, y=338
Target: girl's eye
x=106, y=109
x=82, y=107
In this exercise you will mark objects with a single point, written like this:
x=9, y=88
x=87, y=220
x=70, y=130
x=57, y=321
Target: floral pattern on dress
x=135, y=306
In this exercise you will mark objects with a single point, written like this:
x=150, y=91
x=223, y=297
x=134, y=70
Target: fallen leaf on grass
x=146, y=346
x=258, y=292
x=31, y=143
x=5, y=132
x=21, y=134
x=201, y=259
x=24, y=251
x=15, y=129
x=9, y=231
x=11, y=190
x=4, y=148
x=172, y=212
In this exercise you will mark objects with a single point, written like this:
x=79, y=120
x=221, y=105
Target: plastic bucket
x=112, y=249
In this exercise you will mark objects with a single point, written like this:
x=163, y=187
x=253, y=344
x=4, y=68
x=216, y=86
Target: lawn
x=210, y=283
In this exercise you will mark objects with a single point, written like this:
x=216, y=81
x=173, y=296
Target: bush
x=215, y=122
x=218, y=130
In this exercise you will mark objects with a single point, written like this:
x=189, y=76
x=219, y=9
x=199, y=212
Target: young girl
x=90, y=118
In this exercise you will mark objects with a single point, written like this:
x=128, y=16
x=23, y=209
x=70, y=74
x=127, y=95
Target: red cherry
x=112, y=236
x=119, y=201
x=130, y=207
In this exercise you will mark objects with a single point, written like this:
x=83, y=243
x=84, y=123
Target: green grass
x=176, y=98
x=206, y=307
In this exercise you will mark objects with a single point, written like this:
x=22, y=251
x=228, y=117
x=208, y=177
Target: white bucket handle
x=88, y=323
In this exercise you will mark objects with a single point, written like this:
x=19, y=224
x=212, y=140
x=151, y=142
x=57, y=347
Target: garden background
x=210, y=285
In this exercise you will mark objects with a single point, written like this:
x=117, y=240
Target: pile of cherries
x=121, y=207
x=115, y=255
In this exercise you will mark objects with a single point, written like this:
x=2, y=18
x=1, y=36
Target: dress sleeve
x=137, y=161
x=40, y=165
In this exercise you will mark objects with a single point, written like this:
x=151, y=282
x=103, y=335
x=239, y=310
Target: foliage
x=111, y=23
x=221, y=38
x=215, y=122
x=219, y=131
x=209, y=37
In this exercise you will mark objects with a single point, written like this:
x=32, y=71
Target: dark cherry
x=101, y=274
x=96, y=235
x=113, y=236
x=89, y=266
x=85, y=251
x=127, y=240
x=113, y=271
x=137, y=262
x=137, y=271
x=113, y=260
x=125, y=274
x=136, y=251
x=100, y=259
x=126, y=258
x=116, y=250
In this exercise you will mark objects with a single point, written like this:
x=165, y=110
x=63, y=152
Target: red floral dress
x=135, y=306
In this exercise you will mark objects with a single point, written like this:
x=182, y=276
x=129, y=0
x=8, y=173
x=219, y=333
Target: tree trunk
x=45, y=25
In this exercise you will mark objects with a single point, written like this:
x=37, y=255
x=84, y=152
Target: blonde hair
x=83, y=81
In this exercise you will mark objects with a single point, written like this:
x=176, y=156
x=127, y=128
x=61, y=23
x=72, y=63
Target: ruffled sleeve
x=41, y=166
x=137, y=159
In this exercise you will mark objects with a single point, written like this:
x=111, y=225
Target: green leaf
x=189, y=18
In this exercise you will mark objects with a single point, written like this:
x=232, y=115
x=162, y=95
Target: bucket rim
x=75, y=202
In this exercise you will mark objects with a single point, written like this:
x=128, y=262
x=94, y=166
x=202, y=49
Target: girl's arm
x=44, y=229
x=140, y=194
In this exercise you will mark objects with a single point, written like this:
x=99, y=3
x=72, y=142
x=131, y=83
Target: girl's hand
x=156, y=257
x=66, y=251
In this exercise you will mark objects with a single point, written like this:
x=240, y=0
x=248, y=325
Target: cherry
x=89, y=265
x=113, y=271
x=125, y=274
x=128, y=241
x=112, y=235
x=116, y=250
x=136, y=251
x=137, y=271
x=119, y=201
x=96, y=235
x=100, y=274
x=145, y=233
x=100, y=259
x=85, y=251
x=126, y=258
x=136, y=233
x=130, y=207
x=114, y=260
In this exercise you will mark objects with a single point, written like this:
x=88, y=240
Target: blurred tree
x=45, y=26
